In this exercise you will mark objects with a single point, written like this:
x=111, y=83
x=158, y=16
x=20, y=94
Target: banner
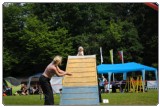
x=121, y=56
x=111, y=55
x=152, y=84
x=56, y=84
x=101, y=55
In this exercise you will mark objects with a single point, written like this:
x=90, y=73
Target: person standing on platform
x=80, y=51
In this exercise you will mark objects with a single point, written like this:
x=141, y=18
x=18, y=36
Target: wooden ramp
x=82, y=87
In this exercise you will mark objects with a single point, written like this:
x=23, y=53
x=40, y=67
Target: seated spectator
x=7, y=90
x=35, y=90
x=4, y=90
x=22, y=91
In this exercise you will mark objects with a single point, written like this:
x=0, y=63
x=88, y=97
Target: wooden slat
x=80, y=69
x=81, y=102
x=88, y=60
x=82, y=79
x=82, y=65
x=79, y=77
x=80, y=84
x=81, y=74
x=80, y=89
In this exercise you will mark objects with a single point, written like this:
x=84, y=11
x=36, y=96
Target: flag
x=121, y=56
x=111, y=55
x=101, y=55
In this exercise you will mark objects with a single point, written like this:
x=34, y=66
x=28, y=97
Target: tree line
x=33, y=33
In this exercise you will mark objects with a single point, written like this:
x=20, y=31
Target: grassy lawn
x=27, y=100
x=147, y=98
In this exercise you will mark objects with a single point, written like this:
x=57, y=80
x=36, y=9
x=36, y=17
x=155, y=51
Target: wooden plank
x=80, y=69
x=80, y=84
x=82, y=65
x=81, y=79
x=89, y=60
x=80, y=90
x=81, y=74
x=82, y=57
x=81, y=102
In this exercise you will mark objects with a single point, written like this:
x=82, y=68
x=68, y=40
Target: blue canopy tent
x=124, y=68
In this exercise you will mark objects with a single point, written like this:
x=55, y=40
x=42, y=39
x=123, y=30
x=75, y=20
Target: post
x=143, y=77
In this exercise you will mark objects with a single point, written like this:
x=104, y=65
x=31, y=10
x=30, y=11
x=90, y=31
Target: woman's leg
x=47, y=90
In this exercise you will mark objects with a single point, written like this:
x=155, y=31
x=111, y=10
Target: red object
x=4, y=94
x=152, y=5
x=119, y=52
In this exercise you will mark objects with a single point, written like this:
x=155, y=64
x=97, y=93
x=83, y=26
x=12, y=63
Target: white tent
x=56, y=83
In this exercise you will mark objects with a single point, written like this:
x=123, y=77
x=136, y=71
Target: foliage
x=33, y=33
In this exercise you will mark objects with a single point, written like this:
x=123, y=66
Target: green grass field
x=147, y=98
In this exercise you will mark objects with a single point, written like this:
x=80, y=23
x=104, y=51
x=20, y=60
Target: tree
x=12, y=26
x=32, y=46
x=35, y=32
x=145, y=20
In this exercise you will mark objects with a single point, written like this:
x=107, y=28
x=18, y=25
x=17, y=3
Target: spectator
x=103, y=78
x=101, y=85
x=7, y=90
x=113, y=87
x=22, y=91
x=106, y=86
x=35, y=89
x=121, y=87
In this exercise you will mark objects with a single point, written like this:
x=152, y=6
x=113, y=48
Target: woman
x=44, y=80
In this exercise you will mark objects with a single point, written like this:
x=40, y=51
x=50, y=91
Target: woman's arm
x=59, y=70
x=60, y=73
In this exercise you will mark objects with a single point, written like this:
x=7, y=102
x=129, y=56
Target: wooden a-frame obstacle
x=139, y=87
x=134, y=85
x=82, y=87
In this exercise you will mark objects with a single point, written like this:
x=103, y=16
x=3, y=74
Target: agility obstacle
x=134, y=85
x=82, y=87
